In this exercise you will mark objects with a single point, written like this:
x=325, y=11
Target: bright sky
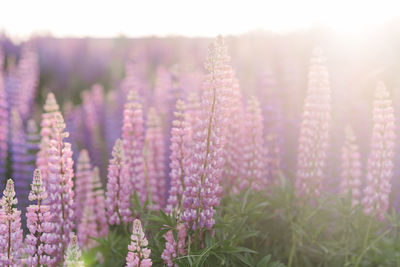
x=98, y=18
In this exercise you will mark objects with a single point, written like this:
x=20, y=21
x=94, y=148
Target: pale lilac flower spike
x=380, y=161
x=115, y=183
x=314, y=130
x=82, y=183
x=202, y=183
x=60, y=184
x=351, y=167
x=73, y=254
x=10, y=228
x=40, y=241
x=174, y=249
x=138, y=253
x=179, y=156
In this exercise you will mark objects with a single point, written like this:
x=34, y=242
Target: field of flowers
x=192, y=157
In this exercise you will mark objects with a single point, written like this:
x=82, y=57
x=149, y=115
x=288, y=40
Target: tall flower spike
x=351, y=167
x=314, y=131
x=51, y=110
x=154, y=158
x=202, y=183
x=138, y=253
x=115, y=183
x=3, y=128
x=20, y=168
x=234, y=148
x=40, y=241
x=380, y=161
x=82, y=183
x=10, y=228
x=179, y=157
x=60, y=185
x=174, y=249
x=132, y=142
x=73, y=255
x=94, y=212
x=254, y=161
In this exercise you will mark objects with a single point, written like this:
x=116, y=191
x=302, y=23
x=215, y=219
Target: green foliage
x=272, y=229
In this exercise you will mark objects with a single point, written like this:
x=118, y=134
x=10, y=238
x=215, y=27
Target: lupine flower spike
x=40, y=242
x=33, y=141
x=380, y=161
x=52, y=110
x=138, y=253
x=132, y=142
x=115, y=183
x=254, y=161
x=203, y=190
x=174, y=249
x=82, y=183
x=179, y=157
x=10, y=228
x=73, y=255
x=351, y=167
x=154, y=158
x=60, y=184
x=314, y=131
x=94, y=221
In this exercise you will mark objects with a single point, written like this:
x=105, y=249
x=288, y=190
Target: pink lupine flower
x=161, y=91
x=234, y=148
x=138, y=253
x=314, y=131
x=380, y=161
x=51, y=110
x=132, y=142
x=60, y=185
x=73, y=254
x=254, y=161
x=174, y=249
x=202, y=183
x=193, y=109
x=179, y=156
x=82, y=183
x=40, y=241
x=351, y=167
x=154, y=158
x=94, y=212
x=4, y=126
x=115, y=182
x=10, y=228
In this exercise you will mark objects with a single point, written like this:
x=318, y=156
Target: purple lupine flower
x=132, y=142
x=115, y=182
x=253, y=152
x=351, y=167
x=52, y=110
x=271, y=110
x=40, y=241
x=314, y=132
x=202, y=192
x=95, y=211
x=138, y=253
x=10, y=228
x=73, y=254
x=82, y=183
x=234, y=148
x=60, y=185
x=87, y=228
x=32, y=142
x=154, y=158
x=161, y=92
x=193, y=108
x=380, y=161
x=174, y=249
x=28, y=77
x=3, y=128
x=20, y=168
x=179, y=157
x=113, y=125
